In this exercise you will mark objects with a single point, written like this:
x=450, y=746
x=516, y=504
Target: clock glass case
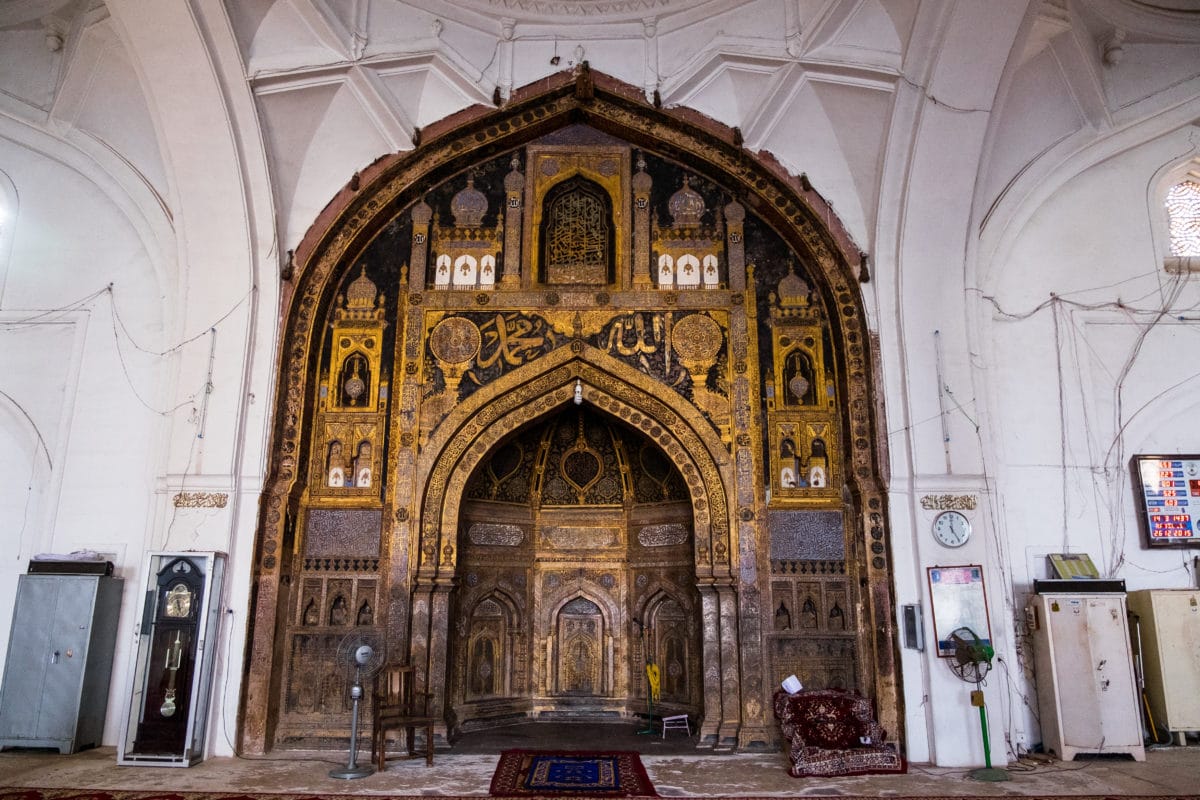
x=168, y=709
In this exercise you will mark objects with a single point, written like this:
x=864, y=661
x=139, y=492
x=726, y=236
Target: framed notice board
x=957, y=598
x=1167, y=491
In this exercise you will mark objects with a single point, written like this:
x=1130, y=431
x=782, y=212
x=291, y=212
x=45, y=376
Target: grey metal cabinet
x=60, y=653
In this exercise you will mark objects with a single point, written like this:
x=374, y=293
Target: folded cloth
x=74, y=555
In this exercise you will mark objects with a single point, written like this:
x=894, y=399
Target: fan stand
x=988, y=773
x=353, y=769
x=649, y=691
x=967, y=662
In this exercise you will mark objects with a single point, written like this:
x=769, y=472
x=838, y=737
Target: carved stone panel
x=579, y=652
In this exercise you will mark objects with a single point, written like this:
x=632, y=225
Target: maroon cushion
x=828, y=722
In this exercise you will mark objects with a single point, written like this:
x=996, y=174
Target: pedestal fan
x=362, y=652
x=971, y=660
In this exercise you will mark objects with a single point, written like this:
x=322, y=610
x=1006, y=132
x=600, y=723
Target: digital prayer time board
x=1168, y=492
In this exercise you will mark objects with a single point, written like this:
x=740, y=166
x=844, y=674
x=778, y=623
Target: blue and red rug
x=544, y=773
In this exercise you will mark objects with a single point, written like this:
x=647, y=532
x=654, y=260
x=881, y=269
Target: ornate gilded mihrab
x=575, y=407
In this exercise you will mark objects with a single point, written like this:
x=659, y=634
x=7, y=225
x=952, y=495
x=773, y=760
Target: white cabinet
x=1170, y=633
x=1086, y=690
x=60, y=653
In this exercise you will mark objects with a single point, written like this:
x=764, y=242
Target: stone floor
x=675, y=766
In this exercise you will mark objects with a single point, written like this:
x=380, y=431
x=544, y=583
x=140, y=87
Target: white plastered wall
x=169, y=144
x=129, y=310
x=1086, y=341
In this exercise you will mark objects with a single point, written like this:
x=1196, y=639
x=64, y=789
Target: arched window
x=1183, y=217
x=1178, y=201
x=8, y=219
x=577, y=237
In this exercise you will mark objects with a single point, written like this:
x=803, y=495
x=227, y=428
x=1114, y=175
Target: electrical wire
x=179, y=346
x=1108, y=475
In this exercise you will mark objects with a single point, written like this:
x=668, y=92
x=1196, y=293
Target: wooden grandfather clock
x=173, y=674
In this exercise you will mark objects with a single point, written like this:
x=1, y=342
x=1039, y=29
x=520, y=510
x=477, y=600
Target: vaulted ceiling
x=826, y=86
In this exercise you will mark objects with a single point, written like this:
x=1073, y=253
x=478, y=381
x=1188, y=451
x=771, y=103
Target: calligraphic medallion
x=697, y=338
x=455, y=340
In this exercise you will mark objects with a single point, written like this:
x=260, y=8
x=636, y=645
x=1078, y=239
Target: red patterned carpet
x=87, y=794
x=118, y=794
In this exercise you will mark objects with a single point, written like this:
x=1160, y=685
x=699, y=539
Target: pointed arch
x=474, y=427
x=459, y=444
x=731, y=535
x=492, y=617
x=667, y=617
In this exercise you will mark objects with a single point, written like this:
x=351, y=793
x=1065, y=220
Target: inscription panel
x=334, y=532
x=806, y=535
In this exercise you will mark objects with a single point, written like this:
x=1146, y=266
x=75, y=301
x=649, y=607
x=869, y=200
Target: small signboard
x=1167, y=489
x=958, y=600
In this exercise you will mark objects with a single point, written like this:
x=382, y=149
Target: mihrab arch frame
x=474, y=427
x=798, y=215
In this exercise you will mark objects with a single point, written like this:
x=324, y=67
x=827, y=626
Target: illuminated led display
x=1167, y=488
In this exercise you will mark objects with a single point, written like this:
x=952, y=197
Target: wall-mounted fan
x=971, y=660
x=361, y=654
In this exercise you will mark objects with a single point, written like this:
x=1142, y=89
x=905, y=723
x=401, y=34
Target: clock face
x=179, y=601
x=951, y=528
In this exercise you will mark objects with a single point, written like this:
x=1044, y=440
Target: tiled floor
x=675, y=766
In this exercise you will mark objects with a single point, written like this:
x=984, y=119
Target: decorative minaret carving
x=642, y=184
x=735, y=247
x=801, y=399
x=514, y=191
x=421, y=214
x=352, y=403
x=688, y=252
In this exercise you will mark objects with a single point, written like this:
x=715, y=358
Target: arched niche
x=712, y=436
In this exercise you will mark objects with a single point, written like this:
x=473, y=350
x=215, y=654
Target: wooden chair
x=399, y=707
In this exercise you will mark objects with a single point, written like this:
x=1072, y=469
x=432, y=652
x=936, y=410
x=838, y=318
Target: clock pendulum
x=174, y=658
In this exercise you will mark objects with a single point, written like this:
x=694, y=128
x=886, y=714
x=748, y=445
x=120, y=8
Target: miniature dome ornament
x=793, y=290
x=469, y=206
x=686, y=206
x=362, y=291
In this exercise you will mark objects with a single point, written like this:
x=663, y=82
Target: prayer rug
x=548, y=773
x=25, y=793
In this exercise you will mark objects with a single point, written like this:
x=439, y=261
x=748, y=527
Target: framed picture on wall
x=958, y=600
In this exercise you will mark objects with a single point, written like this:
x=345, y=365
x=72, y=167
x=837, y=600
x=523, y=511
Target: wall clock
x=952, y=528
